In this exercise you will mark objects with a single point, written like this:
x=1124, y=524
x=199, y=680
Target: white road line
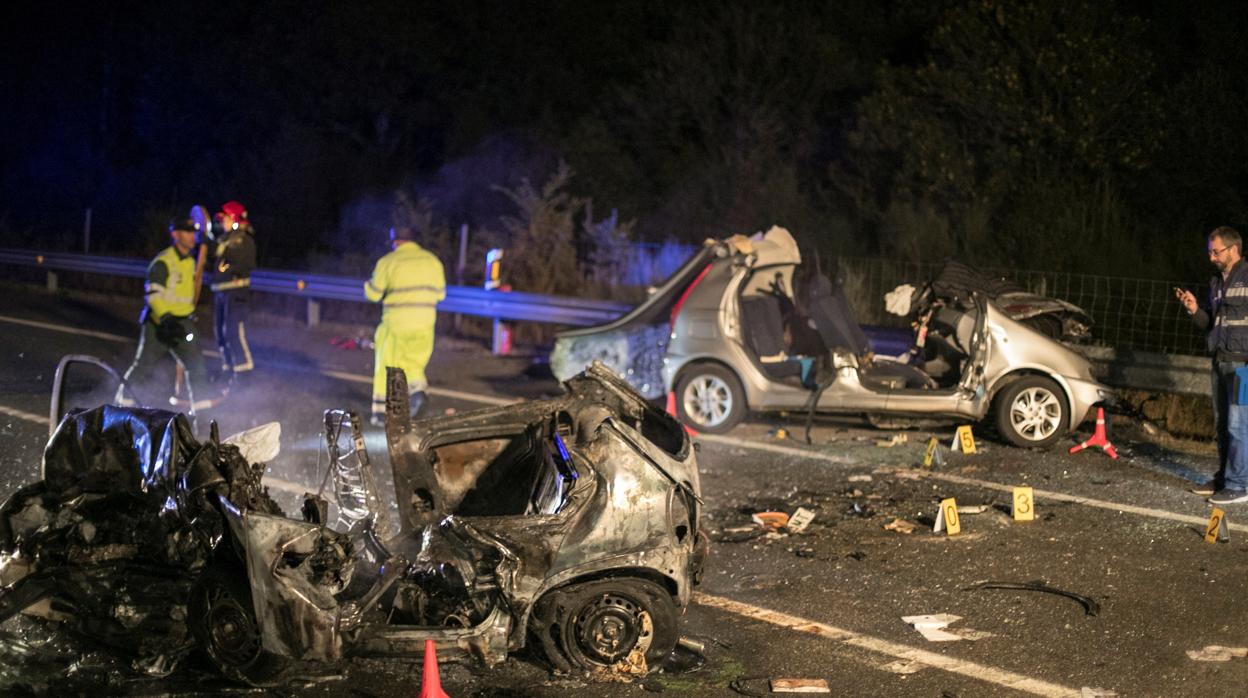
x=37, y=419
x=773, y=448
x=63, y=328
x=973, y=670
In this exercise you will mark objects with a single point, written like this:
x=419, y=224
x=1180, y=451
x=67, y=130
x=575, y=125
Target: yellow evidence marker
x=1217, y=529
x=947, y=518
x=1024, y=508
x=964, y=440
x=932, y=457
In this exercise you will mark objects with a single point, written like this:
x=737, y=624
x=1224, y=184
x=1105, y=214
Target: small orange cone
x=430, y=683
x=1099, y=437
x=671, y=409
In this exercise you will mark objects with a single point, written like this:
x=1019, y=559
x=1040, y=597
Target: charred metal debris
x=572, y=523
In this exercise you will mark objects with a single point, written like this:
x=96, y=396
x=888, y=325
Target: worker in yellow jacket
x=167, y=322
x=408, y=282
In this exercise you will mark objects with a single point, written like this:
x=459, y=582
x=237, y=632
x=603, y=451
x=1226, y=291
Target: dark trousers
x=151, y=350
x=1231, y=422
x=230, y=326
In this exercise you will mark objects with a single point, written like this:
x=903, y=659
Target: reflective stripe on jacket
x=408, y=283
x=170, y=286
x=1228, y=314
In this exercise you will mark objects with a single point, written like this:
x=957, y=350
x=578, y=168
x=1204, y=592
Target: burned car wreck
x=569, y=524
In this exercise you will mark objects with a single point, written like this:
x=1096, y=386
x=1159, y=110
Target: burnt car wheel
x=1032, y=412
x=709, y=398
x=223, y=621
x=598, y=624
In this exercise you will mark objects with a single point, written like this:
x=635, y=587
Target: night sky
x=1037, y=134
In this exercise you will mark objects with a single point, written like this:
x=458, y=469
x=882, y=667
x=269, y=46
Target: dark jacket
x=1225, y=318
x=235, y=259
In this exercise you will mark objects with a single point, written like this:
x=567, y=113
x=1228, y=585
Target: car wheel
x=599, y=624
x=1032, y=412
x=223, y=621
x=709, y=398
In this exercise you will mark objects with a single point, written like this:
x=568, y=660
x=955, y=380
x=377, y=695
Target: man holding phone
x=1225, y=321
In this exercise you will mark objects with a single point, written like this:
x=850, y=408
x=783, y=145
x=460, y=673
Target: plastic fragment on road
x=931, y=626
x=972, y=508
x=773, y=520
x=800, y=686
x=901, y=526
x=859, y=478
x=1217, y=653
x=800, y=520
x=894, y=440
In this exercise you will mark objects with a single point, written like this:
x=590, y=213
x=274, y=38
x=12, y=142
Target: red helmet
x=234, y=210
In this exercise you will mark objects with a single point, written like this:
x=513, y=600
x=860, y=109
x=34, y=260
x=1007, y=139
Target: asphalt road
x=825, y=604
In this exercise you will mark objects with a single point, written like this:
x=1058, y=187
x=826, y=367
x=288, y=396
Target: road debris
x=1217, y=653
x=1089, y=605
x=904, y=667
x=972, y=508
x=771, y=520
x=894, y=440
x=901, y=526
x=931, y=626
x=800, y=520
x=800, y=686
x=859, y=478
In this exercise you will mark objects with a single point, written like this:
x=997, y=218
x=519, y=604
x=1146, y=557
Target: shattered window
x=527, y=474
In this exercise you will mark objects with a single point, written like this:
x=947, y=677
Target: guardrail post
x=52, y=281
x=314, y=312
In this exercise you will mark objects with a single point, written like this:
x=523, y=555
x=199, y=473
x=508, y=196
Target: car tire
x=598, y=624
x=1032, y=412
x=223, y=621
x=709, y=398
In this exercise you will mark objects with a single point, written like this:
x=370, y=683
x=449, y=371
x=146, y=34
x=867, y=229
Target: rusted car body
x=570, y=522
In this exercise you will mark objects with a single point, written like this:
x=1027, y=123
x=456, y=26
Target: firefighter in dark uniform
x=235, y=258
x=167, y=321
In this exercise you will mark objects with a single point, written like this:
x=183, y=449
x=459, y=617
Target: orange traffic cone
x=671, y=409
x=430, y=683
x=1099, y=437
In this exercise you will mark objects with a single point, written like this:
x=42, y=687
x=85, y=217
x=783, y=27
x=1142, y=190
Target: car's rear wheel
x=709, y=398
x=223, y=621
x=1032, y=412
x=598, y=624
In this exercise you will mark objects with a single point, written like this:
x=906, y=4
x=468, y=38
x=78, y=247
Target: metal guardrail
x=467, y=300
x=1153, y=371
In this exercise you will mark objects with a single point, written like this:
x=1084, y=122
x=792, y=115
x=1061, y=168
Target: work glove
x=169, y=331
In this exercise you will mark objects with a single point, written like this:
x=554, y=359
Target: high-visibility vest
x=176, y=296
x=408, y=282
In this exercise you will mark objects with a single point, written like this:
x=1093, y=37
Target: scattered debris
x=1217, y=653
x=352, y=343
x=972, y=508
x=894, y=440
x=800, y=520
x=1089, y=605
x=901, y=526
x=931, y=626
x=904, y=667
x=859, y=478
x=772, y=520
x=745, y=686
x=800, y=686
x=778, y=433
x=862, y=510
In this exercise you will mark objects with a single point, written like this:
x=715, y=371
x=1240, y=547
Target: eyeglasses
x=1214, y=252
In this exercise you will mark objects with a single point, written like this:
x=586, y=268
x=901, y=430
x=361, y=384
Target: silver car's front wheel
x=709, y=398
x=1032, y=412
